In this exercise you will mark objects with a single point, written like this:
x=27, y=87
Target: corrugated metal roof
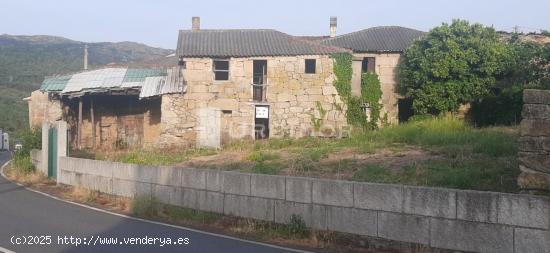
x=169, y=84
x=55, y=83
x=247, y=42
x=139, y=75
x=152, y=86
x=152, y=82
x=95, y=79
x=377, y=39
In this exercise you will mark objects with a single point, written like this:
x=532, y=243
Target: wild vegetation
x=441, y=151
x=460, y=63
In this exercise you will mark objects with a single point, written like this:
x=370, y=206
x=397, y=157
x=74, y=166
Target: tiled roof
x=245, y=43
x=377, y=39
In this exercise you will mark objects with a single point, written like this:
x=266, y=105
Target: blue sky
x=156, y=22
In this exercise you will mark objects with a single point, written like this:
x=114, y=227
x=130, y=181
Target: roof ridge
x=372, y=28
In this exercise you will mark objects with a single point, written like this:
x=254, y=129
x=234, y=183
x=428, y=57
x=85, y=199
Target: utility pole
x=86, y=57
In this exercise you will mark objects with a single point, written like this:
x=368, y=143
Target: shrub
x=296, y=228
x=452, y=65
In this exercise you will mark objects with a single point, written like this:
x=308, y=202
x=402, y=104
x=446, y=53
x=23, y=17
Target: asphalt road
x=32, y=217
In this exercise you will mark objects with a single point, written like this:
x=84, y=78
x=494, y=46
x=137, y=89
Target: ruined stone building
x=228, y=85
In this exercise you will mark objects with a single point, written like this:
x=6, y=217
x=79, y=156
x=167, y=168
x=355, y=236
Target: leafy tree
x=453, y=64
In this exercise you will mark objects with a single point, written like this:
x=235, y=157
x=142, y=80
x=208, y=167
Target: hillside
x=26, y=60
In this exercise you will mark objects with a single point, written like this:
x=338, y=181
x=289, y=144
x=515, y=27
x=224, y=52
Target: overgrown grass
x=154, y=157
x=458, y=155
x=447, y=132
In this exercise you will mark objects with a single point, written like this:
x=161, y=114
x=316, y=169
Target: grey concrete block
x=319, y=216
x=332, y=192
x=211, y=201
x=191, y=198
x=146, y=174
x=134, y=172
x=203, y=200
x=404, y=227
x=249, y=207
x=351, y=220
x=524, y=210
x=214, y=180
x=477, y=206
x=161, y=193
x=102, y=184
x=426, y=201
x=298, y=189
x=124, y=171
x=168, y=176
x=193, y=178
x=285, y=209
x=532, y=241
x=471, y=236
x=236, y=183
x=383, y=197
x=131, y=189
x=267, y=186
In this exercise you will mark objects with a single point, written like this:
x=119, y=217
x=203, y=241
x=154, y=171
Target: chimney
x=332, y=27
x=196, y=23
x=86, y=57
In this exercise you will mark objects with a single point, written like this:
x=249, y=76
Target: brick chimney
x=332, y=27
x=196, y=23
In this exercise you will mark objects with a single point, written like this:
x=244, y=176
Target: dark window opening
x=310, y=66
x=259, y=80
x=221, y=70
x=181, y=62
x=368, y=65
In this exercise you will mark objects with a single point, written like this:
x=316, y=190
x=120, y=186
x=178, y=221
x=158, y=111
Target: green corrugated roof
x=139, y=75
x=57, y=83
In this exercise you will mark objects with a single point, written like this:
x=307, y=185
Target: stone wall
x=469, y=221
x=386, y=67
x=42, y=108
x=534, y=143
x=291, y=94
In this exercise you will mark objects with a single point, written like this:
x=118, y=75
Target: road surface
x=27, y=216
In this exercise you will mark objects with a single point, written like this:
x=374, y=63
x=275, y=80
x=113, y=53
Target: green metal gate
x=52, y=152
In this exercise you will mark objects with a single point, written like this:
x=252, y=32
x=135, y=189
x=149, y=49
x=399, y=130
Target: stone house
x=106, y=108
x=231, y=85
x=379, y=49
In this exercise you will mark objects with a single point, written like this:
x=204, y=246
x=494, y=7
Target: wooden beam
x=93, y=121
x=79, y=126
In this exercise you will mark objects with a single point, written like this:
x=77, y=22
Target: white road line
x=4, y=250
x=147, y=221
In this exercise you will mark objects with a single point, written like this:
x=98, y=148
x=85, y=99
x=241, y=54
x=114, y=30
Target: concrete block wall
x=534, y=143
x=36, y=158
x=440, y=218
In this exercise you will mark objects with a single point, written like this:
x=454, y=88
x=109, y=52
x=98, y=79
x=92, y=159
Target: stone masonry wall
x=291, y=94
x=469, y=221
x=386, y=67
x=43, y=109
x=534, y=143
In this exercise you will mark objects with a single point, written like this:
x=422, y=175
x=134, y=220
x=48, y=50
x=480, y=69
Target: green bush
x=453, y=64
x=23, y=163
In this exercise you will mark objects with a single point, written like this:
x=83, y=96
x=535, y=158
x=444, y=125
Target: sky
x=156, y=23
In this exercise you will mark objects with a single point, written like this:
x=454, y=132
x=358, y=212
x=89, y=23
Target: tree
x=452, y=65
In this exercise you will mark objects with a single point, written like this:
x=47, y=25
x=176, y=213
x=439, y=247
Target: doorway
x=261, y=122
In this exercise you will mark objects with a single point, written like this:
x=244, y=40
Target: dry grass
x=26, y=178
